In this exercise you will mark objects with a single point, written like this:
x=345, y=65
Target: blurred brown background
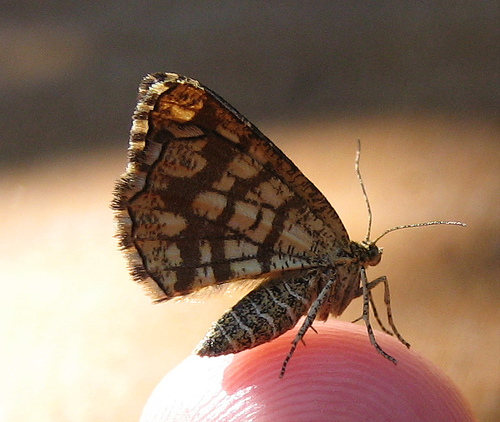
x=418, y=83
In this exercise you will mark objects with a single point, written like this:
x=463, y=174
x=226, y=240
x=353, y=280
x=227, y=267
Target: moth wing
x=208, y=199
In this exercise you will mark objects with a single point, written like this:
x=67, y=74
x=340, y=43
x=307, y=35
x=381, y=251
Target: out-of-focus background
x=418, y=82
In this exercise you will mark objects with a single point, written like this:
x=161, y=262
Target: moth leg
x=369, y=287
x=376, y=315
x=311, y=315
x=387, y=301
x=366, y=314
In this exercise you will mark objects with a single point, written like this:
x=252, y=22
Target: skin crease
x=338, y=376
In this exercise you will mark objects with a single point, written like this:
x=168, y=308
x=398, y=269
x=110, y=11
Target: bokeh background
x=418, y=82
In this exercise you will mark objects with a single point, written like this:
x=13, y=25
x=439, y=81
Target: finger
x=338, y=375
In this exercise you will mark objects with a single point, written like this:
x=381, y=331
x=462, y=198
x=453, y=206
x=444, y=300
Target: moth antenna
x=428, y=223
x=370, y=215
x=367, y=202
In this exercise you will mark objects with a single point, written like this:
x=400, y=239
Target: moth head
x=372, y=254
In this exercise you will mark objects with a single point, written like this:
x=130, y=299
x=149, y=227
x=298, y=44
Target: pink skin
x=338, y=376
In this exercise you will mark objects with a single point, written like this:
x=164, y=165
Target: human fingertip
x=338, y=375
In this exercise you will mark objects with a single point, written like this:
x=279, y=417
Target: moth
x=207, y=199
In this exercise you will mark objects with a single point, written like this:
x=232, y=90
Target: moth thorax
x=368, y=253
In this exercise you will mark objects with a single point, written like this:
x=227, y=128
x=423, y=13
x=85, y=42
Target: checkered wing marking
x=207, y=198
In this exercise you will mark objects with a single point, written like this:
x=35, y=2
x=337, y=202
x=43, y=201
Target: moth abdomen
x=262, y=315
